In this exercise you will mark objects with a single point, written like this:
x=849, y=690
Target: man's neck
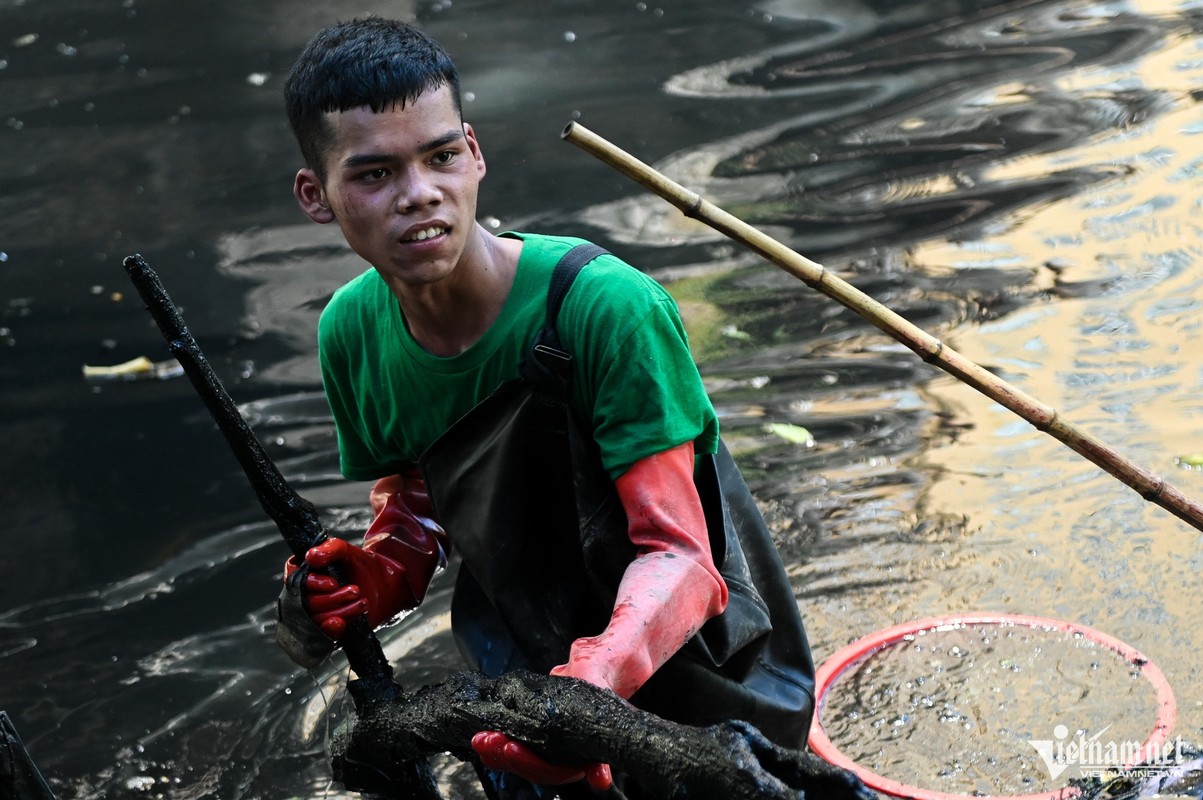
x=448, y=317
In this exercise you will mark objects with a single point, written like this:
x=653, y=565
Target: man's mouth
x=425, y=233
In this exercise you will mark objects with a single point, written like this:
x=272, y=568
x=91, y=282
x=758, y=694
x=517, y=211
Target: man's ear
x=311, y=197
x=474, y=148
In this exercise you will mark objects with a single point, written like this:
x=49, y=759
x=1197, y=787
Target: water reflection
x=887, y=142
x=1018, y=178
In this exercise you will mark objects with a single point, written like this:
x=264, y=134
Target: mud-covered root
x=797, y=769
x=572, y=721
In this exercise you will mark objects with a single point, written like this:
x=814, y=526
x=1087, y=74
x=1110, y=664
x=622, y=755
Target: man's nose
x=417, y=190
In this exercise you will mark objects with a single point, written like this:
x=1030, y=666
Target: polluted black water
x=1022, y=179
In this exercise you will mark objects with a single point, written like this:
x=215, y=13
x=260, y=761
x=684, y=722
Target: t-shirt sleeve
x=639, y=382
x=356, y=460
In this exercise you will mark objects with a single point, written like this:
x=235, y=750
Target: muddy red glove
x=498, y=751
x=666, y=594
x=391, y=572
x=669, y=590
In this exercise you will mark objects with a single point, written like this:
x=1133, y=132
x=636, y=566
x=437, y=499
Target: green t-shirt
x=633, y=375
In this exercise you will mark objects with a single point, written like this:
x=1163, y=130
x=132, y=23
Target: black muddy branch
x=571, y=721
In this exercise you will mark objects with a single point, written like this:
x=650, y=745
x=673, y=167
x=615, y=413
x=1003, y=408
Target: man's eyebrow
x=442, y=141
x=366, y=159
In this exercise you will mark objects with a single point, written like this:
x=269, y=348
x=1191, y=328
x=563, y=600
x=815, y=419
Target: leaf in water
x=791, y=433
x=1192, y=461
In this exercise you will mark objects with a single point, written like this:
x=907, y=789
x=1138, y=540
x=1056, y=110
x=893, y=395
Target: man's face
x=402, y=185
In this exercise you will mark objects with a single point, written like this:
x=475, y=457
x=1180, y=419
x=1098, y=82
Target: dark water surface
x=1022, y=179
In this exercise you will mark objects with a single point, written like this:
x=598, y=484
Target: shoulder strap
x=547, y=360
x=565, y=273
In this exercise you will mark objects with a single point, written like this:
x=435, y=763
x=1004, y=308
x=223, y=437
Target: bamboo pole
x=1045, y=418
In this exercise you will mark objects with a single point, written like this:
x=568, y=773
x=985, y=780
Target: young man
x=422, y=360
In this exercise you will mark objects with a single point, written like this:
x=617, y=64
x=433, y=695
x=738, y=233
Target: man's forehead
x=408, y=128
x=426, y=99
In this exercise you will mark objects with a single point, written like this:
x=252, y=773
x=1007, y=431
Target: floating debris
x=791, y=433
x=136, y=369
x=732, y=332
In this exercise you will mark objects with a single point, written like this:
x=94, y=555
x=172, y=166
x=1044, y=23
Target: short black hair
x=373, y=62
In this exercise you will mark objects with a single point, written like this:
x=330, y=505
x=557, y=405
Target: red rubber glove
x=498, y=751
x=391, y=572
x=666, y=594
x=669, y=590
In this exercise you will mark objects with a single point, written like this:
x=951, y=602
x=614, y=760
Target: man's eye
x=373, y=175
x=444, y=158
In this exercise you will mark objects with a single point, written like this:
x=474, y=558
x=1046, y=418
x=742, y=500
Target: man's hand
x=376, y=586
x=401, y=551
x=498, y=751
x=666, y=594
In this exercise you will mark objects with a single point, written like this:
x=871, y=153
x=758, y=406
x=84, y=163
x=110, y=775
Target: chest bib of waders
x=519, y=486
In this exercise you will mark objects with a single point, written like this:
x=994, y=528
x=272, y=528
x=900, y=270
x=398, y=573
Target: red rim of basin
x=846, y=657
